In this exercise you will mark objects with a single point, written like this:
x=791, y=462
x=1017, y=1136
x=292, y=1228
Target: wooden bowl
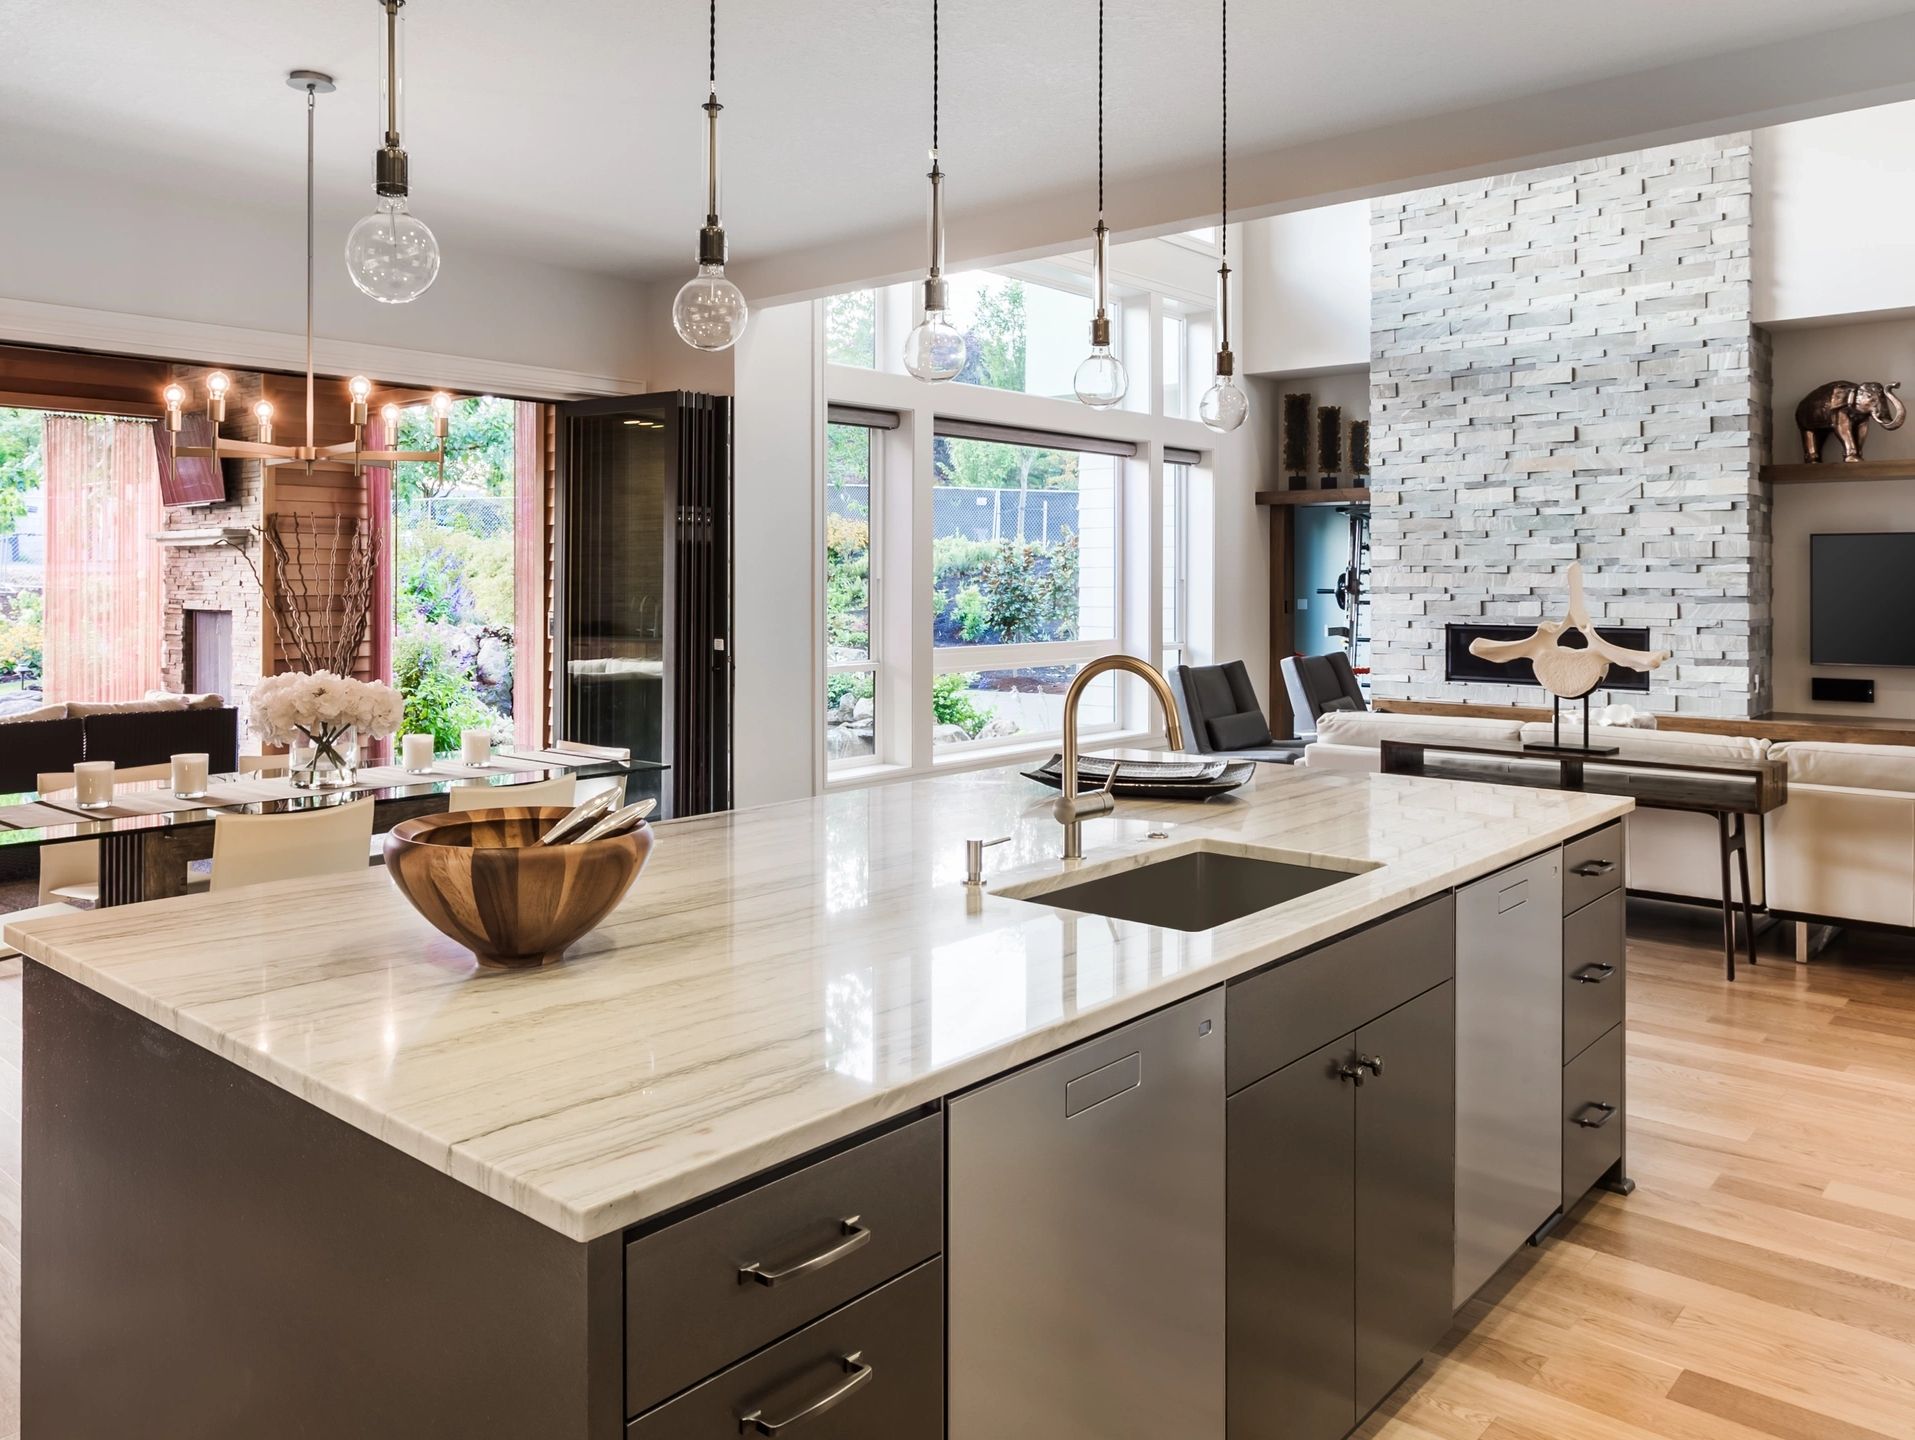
x=482, y=878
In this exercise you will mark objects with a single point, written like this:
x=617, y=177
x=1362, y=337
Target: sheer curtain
x=104, y=599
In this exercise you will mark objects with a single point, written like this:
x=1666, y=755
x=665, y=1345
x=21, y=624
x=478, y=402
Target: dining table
x=150, y=837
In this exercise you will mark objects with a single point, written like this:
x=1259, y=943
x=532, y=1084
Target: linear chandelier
x=350, y=454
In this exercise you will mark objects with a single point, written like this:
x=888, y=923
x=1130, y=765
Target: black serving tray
x=1197, y=778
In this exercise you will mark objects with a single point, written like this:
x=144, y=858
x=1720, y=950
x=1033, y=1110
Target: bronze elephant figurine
x=1846, y=408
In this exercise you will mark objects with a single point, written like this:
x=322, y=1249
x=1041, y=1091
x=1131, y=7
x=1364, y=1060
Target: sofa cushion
x=82, y=709
x=1673, y=746
x=39, y=712
x=1854, y=767
x=208, y=701
x=1242, y=731
x=1373, y=727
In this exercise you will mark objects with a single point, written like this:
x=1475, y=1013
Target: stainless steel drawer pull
x=1593, y=974
x=857, y=1375
x=854, y=1234
x=1589, y=869
x=1608, y=1114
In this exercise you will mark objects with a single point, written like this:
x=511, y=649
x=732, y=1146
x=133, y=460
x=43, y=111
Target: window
x=1024, y=584
x=23, y=550
x=851, y=329
x=1176, y=563
x=454, y=607
x=851, y=650
x=1175, y=356
x=1022, y=335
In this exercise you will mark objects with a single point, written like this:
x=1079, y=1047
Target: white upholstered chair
x=257, y=849
x=496, y=797
x=70, y=873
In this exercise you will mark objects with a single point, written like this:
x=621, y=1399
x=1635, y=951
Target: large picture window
x=1022, y=335
x=1024, y=584
x=851, y=649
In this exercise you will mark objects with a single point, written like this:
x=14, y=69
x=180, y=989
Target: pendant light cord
x=1223, y=229
x=714, y=47
x=1100, y=110
x=935, y=67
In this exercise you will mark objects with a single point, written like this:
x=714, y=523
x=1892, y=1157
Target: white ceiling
x=570, y=129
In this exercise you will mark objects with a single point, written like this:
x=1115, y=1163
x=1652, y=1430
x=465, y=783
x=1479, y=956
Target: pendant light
x=1224, y=405
x=391, y=254
x=935, y=351
x=709, y=312
x=1100, y=381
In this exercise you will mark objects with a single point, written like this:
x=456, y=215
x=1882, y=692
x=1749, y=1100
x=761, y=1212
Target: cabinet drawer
x=721, y=1283
x=1592, y=866
x=1593, y=1119
x=1595, y=966
x=871, y=1371
x=1286, y=1012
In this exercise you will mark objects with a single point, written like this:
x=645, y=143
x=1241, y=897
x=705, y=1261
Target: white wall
x=777, y=572
x=1834, y=209
x=1306, y=290
x=72, y=242
x=1804, y=359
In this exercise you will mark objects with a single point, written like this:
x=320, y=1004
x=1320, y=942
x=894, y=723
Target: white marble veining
x=778, y=978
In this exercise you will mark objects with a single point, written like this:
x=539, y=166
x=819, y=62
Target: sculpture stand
x=1556, y=746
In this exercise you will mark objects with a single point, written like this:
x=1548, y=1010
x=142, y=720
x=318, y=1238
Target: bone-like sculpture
x=1569, y=674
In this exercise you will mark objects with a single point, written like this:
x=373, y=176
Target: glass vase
x=325, y=760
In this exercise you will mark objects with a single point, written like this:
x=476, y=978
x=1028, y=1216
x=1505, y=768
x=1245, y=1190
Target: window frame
x=872, y=663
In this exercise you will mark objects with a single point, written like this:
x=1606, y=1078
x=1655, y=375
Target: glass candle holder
x=416, y=754
x=189, y=775
x=93, y=784
x=475, y=746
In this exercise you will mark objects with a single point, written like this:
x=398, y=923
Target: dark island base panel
x=192, y=1231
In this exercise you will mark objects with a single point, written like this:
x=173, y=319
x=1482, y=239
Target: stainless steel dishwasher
x=1085, y=1255
x=1509, y=1064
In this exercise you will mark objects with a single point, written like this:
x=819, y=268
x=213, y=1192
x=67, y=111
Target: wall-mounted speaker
x=1832, y=687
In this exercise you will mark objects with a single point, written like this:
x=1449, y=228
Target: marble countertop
x=778, y=978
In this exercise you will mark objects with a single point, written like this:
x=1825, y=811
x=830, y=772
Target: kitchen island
x=294, y=1165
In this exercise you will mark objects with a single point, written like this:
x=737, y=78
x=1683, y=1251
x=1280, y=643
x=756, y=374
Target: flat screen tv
x=186, y=479
x=1861, y=599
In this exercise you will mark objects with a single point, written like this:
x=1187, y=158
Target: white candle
x=475, y=746
x=189, y=776
x=93, y=783
x=416, y=751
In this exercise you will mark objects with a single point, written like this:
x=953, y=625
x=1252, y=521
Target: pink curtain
x=528, y=574
x=104, y=599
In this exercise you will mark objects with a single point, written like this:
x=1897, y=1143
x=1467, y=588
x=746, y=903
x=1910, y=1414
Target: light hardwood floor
x=1760, y=1283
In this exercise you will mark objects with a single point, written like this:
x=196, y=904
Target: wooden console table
x=1731, y=792
x=1776, y=725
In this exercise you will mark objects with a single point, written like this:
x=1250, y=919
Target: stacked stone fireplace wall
x=1564, y=367
x=215, y=576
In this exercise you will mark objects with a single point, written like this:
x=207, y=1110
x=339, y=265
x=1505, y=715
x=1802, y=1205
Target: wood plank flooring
x=1760, y=1283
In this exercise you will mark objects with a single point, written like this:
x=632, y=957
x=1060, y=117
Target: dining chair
x=70, y=873
x=498, y=797
x=256, y=849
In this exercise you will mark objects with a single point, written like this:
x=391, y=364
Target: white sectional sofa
x=1669, y=853
x=1841, y=850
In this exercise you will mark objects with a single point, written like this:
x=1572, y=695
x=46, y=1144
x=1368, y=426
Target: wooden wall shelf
x=1349, y=495
x=1834, y=470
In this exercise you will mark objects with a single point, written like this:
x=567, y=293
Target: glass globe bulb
x=1224, y=405
x=391, y=254
x=710, y=312
x=935, y=351
x=1101, y=382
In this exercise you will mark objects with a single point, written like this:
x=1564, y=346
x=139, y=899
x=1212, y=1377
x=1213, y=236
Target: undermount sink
x=1196, y=888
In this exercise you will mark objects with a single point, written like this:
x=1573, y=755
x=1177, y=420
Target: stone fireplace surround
x=1564, y=366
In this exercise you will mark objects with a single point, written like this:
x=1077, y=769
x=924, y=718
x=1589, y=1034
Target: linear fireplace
x=1460, y=665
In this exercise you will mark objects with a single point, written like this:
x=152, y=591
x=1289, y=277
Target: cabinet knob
x=1372, y=1063
x=1352, y=1073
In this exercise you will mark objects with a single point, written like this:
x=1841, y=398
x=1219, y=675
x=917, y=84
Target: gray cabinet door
x=1085, y=1241
x=1292, y=1245
x=1405, y=1190
x=1509, y=1065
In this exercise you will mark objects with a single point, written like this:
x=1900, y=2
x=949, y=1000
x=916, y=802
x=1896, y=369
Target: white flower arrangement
x=286, y=709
